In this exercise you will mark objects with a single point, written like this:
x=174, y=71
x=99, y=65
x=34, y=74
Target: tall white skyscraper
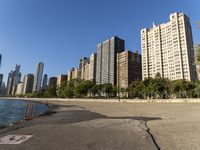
x=38, y=77
x=168, y=49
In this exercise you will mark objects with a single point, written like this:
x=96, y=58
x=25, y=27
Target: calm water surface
x=13, y=111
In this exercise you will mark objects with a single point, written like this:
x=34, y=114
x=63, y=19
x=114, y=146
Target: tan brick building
x=128, y=68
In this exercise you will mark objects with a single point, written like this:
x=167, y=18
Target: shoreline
x=47, y=101
x=12, y=124
x=51, y=102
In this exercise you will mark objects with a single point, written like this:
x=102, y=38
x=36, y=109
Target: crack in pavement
x=151, y=135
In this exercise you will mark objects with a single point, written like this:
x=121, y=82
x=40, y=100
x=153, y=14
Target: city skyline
x=127, y=26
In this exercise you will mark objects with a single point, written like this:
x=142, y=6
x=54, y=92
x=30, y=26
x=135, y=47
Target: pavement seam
x=151, y=135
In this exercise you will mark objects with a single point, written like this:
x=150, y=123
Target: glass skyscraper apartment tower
x=107, y=60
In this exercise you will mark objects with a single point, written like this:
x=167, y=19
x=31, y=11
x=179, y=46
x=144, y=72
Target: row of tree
x=150, y=88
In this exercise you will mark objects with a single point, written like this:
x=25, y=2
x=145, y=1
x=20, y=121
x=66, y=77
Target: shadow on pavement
x=61, y=115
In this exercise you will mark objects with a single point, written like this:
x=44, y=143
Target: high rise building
x=9, y=83
x=92, y=67
x=38, y=77
x=9, y=77
x=44, y=82
x=1, y=79
x=52, y=82
x=83, y=62
x=19, y=89
x=16, y=79
x=197, y=60
x=61, y=79
x=168, y=49
x=86, y=71
x=129, y=68
x=69, y=74
x=87, y=68
x=74, y=74
x=28, y=83
x=3, y=89
x=107, y=60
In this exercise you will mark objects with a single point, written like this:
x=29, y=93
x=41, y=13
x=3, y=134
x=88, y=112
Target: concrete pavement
x=111, y=126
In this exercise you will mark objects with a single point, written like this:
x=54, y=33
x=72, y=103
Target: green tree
x=160, y=87
x=197, y=89
x=61, y=90
x=136, y=89
x=107, y=89
x=97, y=90
x=148, y=90
x=83, y=88
x=176, y=88
x=50, y=92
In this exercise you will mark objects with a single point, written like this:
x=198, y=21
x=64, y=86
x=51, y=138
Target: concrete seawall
x=189, y=100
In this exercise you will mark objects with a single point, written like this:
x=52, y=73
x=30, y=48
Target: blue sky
x=59, y=32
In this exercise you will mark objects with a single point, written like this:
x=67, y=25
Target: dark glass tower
x=107, y=60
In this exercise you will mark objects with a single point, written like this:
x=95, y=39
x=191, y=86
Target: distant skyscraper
x=61, y=79
x=69, y=74
x=3, y=89
x=86, y=71
x=106, y=60
x=9, y=83
x=16, y=79
x=28, y=83
x=19, y=89
x=83, y=62
x=38, y=77
x=168, y=49
x=9, y=77
x=52, y=82
x=1, y=79
x=92, y=67
x=129, y=68
x=73, y=74
x=44, y=82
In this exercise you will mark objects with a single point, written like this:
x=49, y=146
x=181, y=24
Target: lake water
x=13, y=110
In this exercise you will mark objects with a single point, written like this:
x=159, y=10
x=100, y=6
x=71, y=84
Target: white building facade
x=167, y=49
